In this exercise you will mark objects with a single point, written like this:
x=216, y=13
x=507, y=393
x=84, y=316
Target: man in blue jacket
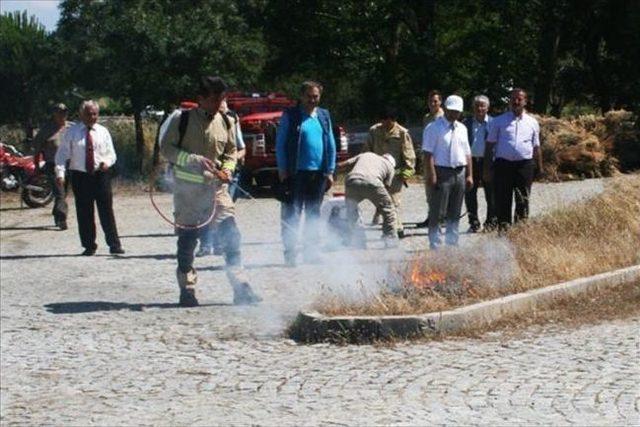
x=306, y=158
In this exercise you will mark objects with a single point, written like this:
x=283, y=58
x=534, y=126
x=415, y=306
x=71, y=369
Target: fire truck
x=259, y=116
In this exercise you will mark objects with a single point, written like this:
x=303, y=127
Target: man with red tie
x=89, y=149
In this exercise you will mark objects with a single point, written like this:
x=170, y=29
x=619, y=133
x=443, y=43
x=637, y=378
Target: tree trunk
x=156, y=145
x=137, y=119
x=548, y=57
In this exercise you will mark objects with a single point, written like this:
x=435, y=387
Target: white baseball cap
x=390, y=159
x=454, y=103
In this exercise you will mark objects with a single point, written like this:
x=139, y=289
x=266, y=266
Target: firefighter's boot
x=242, y=292
x=187, y=283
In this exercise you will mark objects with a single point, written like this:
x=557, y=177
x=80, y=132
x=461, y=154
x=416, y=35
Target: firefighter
x=389, y=137
x=370, y=179
x=201, y=145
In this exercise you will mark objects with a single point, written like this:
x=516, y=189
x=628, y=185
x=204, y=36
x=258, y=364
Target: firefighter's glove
x=405, y=173
x=224, y=175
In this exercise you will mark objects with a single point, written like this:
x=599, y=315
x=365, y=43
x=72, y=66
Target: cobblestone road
x=100, y=341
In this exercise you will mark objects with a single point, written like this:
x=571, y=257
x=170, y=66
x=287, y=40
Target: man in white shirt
x=514, y=137
x=448, y=168
x=89, y=149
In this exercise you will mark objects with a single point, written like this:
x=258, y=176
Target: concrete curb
x=315, y=327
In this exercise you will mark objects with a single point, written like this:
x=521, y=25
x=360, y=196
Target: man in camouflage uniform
x=46, y=142
x=389, y=137
x=208, y=140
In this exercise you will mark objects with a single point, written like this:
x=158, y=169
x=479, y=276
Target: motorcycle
x=25, y=174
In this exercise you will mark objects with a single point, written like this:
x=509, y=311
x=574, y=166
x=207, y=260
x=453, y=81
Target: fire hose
x=210, y=176
x=216, y=174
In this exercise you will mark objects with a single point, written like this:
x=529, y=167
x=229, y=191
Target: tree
x=32, y=74
x=151, y=52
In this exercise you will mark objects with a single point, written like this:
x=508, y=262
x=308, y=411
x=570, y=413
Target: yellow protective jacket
x=396, y=142
x=211, y=137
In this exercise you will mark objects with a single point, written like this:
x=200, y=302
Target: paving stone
x=100, y=342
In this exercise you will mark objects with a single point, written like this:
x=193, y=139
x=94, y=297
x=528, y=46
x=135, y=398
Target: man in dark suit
x=478, y=129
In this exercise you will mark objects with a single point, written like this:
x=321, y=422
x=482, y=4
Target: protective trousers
x=230, y=239
x=358, y=189
x=395, y=191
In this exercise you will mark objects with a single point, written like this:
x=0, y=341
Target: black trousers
x=471, y=196
x=92, y=190
x=512, y=178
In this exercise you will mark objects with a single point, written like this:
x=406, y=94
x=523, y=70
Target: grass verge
x=583, y=239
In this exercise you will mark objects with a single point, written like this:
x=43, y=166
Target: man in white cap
x=370, y=179
x=448, y=170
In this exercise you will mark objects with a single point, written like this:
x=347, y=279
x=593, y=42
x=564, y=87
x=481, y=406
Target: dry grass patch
x=591, y=237
x=586, y=238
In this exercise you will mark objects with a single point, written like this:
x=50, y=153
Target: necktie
x=89, y=160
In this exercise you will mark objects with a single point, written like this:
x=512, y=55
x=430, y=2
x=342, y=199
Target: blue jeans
x=307, y=190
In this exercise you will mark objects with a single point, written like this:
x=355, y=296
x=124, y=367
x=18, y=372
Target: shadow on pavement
x=76, y=307
x=159, y=257
x=19, y=257
x=15, y=208
x=40, y=227
x=132, y=236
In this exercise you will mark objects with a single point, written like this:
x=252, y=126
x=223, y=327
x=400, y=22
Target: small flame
x=426, y=279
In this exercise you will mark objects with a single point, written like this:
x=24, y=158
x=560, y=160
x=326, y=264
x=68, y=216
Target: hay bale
x=570, y=151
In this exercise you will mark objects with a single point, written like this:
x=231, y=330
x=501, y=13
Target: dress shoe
x=401, y=234
x=474, y=228
x=116, y=251
x=423, y=224
x=89, y=252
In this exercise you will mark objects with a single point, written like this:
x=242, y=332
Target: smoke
x=487, y=261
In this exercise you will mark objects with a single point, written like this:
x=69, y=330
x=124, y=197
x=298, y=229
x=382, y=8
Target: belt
x=457, y=168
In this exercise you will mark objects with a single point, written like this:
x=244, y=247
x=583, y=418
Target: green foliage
x=32, y=76
x=122, y=130
x=571, y=56
x=153, y=51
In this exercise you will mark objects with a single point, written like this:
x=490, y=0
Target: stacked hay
x=570, y=151
x=590, y=146
x=621, y=136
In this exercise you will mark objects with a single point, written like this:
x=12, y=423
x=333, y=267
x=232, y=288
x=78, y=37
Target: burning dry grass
x=586, y=238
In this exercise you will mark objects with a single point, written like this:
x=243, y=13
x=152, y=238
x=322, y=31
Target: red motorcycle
x=19, y=173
